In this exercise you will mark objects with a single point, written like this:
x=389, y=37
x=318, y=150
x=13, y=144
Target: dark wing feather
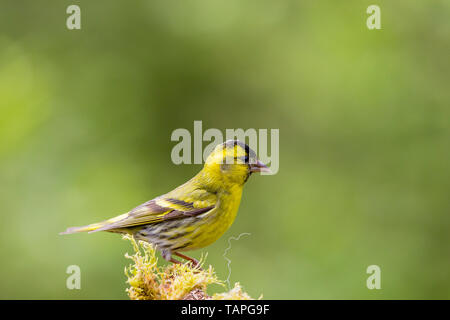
x=154, y=211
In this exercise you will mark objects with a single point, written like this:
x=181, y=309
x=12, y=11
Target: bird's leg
x=194, y=261
x=174, y=261
x=167, y=255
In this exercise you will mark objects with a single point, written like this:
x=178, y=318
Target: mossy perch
x=174, y=282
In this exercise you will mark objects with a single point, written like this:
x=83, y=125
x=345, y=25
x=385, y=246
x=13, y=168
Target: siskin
x=195, y=214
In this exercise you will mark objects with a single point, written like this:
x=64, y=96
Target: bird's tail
x=89, y=227
x=94, y=227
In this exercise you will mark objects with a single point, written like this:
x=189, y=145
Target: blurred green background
x=86, y=118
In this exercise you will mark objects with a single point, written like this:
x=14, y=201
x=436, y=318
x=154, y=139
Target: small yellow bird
x=195, y=214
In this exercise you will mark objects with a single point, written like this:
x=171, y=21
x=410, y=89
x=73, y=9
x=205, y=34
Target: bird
x=195, y=214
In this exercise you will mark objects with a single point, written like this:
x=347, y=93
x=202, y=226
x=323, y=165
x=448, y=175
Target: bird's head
x=234, y=161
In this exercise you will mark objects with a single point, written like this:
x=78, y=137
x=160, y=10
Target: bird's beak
x=259, y=167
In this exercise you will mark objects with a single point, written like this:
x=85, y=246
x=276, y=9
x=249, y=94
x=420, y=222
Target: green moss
x=147, y=281
x=234, y=294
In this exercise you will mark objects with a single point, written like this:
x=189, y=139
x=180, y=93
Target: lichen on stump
x=147, y=281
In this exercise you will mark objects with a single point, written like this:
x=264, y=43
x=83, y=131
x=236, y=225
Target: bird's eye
x=246, y=159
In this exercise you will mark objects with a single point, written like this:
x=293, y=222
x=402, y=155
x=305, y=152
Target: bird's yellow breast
x=218, y=220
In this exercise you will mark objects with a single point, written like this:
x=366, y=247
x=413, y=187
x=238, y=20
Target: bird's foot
x=195, y=263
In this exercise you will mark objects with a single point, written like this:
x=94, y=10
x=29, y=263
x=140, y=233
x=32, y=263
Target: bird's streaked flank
x=195, y=214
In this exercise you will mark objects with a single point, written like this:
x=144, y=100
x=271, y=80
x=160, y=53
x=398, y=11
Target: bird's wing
x=174, y=205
